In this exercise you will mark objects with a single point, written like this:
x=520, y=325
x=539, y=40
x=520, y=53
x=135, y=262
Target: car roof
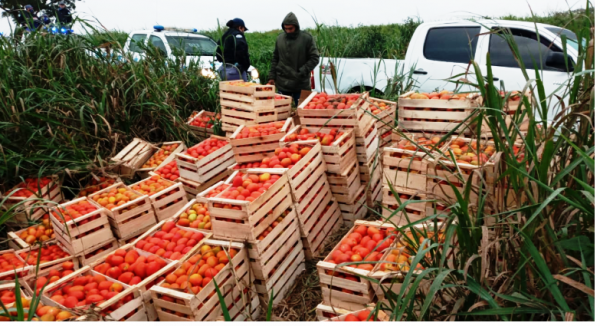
x=169, y=33
x=487, y=22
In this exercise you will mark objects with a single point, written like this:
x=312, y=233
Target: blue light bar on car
x=158, y=28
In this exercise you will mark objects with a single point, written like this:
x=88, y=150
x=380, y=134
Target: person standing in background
x=232, y=51
x=63, y=14
x=294, y=58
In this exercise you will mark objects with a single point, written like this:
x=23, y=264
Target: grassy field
x=63, y=111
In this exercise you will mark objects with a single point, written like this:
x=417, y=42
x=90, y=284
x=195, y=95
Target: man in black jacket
x=294, y=58
x=232, y=51
x=63, y=14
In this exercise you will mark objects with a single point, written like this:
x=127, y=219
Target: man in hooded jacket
x=294, y=58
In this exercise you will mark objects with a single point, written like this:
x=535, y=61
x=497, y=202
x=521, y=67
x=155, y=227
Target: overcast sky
x=262, y=15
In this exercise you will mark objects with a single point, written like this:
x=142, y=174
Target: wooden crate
x=193, y=188
x=249, y=313
x=340, y=155
x=413, y=212
x=98, y=183
x=320, y=227
x=405, y=169
x=281, y=100
x=132, y=157
x=15, y=241
x=158, y=227
x=371, y=176
x=98, y=251
x=202, y=197
x=251, y=96
x=25, y=293
x=355, y=117
x=201, y=132
x=386, y=119
x=416, y=115
x=84, y=232
x=233, y=118
x=146, y=284
x=28, y=282
x=256, y=148
x=247, y=222
x=165, y=203
x=125, y=221
x=385, y=138
x=132, y=237
x=144, y=172
x=21, y=271
x=325, y=312
x=131, y=310
x=345, y=187
x=357, y=209
x=175, y=305
x=274, y=258
x=511, y=107
x=25, y=255
x=332, y=279
x=367, y=146
x=27, y=209
x=188, y=206
x=378, y=315
x=203, y=170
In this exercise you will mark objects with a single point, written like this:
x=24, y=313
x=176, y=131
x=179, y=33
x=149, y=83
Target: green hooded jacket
x=295, y=56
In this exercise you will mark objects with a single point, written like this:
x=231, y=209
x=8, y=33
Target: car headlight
x=254, y=73
x=208, y=73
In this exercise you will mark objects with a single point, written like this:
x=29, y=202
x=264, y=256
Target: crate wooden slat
x=357, y=210
x=234, y=117
x=132, y=157
x=406, y=172
x=277, y=198
x=256, y=148
x=415, y=115
x=260, y=95
x=338, y=156
x=379, y=316
x=371, y=176
x=132, y=237
x=125, y=221
x=282, y=100
x=204, y=306
x=345, y=187
x=167, y=206
x=79, y=234
x=203, y=170
x=386, y=119
x=201, y=132
x=193, y=188
x=135, y=306
x=413, y=212
x=144, y=172
x=325, y=312
x=331, y=278
x=510, y=110
x=367, y=146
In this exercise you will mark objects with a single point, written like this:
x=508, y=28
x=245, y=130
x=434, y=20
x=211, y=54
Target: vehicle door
x=445, y=54
x=134, y=46
x=544, y=54
x=159, y=44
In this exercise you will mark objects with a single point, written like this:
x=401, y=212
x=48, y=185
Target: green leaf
x=226, y=316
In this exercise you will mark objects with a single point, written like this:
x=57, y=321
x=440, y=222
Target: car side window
x=136, y=41
x=533, y=53
x=451, y=44
x=158, y=43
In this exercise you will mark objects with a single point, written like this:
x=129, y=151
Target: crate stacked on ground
x=167, y=197
x=34, y=282
x=325, y=312
x=201, y=124
x=30, y=200
x=11, y=262
x=389, y=274
x=193, y=188
x=163, y=156
x=144, y=271
x=81, y=226
x=433, y=112
x=204, y=164
x=463, y=160
x=240, y=217
x=128, y=211
x=385, y=115
x=405, y=166
x=132, y=157
x=244, y=103
x=50, y=254
x=126, y=305
x=256, y=142
x=97, y=183
x=8, y=297
x=35, y=234
x=189, y=294
x=341, y=283
x=514, y=112
x=318, y=211
x=283, y=104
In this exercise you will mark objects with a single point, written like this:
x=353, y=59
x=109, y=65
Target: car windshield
x=192, y=45
x=571, y=37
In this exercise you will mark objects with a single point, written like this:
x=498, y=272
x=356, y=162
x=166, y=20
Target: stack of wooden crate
x=201, y=123
x=249, y=104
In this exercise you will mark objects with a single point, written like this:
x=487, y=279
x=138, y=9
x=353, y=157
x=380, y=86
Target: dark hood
x=291, y=19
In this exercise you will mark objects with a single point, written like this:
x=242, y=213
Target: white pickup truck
x=441, y=50
x=197, y=48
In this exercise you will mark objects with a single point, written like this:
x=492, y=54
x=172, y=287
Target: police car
x=173, y=41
